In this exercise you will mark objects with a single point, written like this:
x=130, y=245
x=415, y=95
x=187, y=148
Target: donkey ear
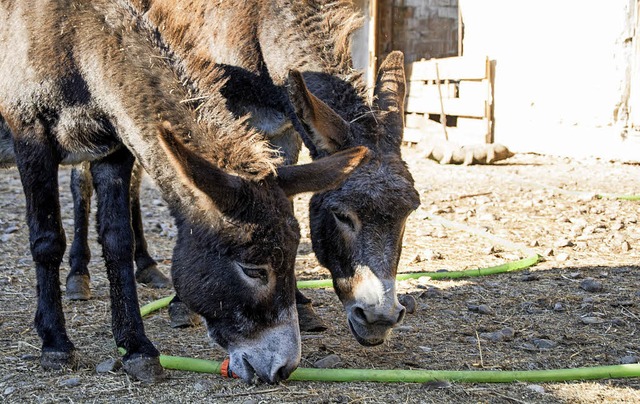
x=329, y=131
x=390, y=84
x=322, y=174
x=220, y=187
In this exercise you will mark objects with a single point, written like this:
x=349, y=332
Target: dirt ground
x=579, y=307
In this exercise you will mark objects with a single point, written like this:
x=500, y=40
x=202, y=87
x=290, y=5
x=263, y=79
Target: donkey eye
x=255, y=272
x=344, y=219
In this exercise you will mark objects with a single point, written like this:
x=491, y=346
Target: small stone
x=431, y=255
x=625, y=246
x=543, y=343
x=327, y=362
x=436, y=385
x=29, y=357
x=431, y=293
x=487, y=217
x=202, y=385
x=505, y=334
x=425, y=348
x=536, y=388
x=110, y=365
x=528, y=277
x=8, y=390
x=534, y=243
x=409, y=303
x=563, y=242
x=591, y=285
x=11, y=229
x=629, y=359
x=617, y=226
x=403, y=328
x=71, y=382
x=480, y=309
x=558, y=307
x=578, y=221
x=488, y=250
x=574, y=275
x=589, y=320
x=441, y=234
x=423, y=280
x=548, y=252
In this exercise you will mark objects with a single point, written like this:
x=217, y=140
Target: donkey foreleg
x=37, y=163
x=147, y=271
x=78, y=286
x=111, y=181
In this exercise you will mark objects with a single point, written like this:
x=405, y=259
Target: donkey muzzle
x=271, y=356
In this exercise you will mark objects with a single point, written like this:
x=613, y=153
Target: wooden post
x=443, y=116
x=372, y=45
x=489, y=103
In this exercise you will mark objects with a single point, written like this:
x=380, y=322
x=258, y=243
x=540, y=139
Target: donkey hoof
x=181, y=316
x=78, y=287
x=147, y=369
x=152, y=277
x=308, y=319
x=56, y=360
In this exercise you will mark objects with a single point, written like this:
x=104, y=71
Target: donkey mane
x=231, y=143
x=327, y=26
x=228, y=142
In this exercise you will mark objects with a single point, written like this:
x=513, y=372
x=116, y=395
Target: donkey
x=90, y=81
x=288, y=65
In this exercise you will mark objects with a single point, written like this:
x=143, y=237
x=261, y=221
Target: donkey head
x=233, y=262
x=357, y=228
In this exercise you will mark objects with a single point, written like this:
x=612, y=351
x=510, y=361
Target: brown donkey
x=92, y=81
x=288, y=66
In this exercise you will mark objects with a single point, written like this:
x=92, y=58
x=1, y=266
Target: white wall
x=360, y=40
x=561, y=71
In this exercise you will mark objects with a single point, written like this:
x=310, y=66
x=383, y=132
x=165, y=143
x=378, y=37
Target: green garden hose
x=422, y=376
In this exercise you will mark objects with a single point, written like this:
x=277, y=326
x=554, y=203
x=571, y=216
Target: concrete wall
x=563, y=73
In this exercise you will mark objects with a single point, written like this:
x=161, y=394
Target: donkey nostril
x=401, y=315
x=359, y=314
x=282, y=374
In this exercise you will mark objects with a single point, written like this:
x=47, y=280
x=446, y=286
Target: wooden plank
x=472, y=125
x=474, y=89
x=472, y=107
x=454, y=68
x=427, y=89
